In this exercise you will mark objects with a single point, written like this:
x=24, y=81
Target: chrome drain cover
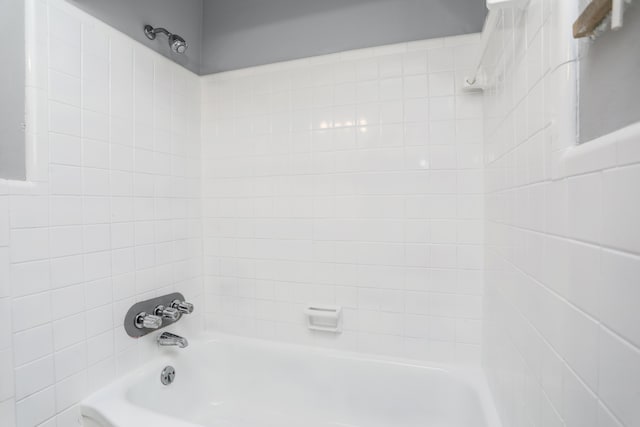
x=167, y=375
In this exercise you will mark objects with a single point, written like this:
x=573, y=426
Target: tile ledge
x=605, y=152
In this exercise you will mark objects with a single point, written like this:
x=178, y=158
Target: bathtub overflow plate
x=167, y=375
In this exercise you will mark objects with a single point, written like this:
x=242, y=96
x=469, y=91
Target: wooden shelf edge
x=591, y=17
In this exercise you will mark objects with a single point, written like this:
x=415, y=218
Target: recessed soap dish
x=325, y=318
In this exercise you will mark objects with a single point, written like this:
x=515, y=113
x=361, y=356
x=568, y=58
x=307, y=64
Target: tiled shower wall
x=562, y=327
x=352, y=179
x=111, y=215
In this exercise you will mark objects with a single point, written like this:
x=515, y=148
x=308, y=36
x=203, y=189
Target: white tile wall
x=352, y=179
x=112, y=213
x=7, y=385
x=562, y=343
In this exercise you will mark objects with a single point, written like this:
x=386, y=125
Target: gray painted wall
x=242, y=33
x=183, y=17
x=609, y=70
x=245, y=33
x=12, y=72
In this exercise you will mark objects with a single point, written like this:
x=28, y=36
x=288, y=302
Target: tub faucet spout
x=167, y=339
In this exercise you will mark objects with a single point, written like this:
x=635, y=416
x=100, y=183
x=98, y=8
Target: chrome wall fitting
x=169, y=339
x=167, y=312
x=176, y=43
x=147, y=316
x=182, y=306
x=147, y=321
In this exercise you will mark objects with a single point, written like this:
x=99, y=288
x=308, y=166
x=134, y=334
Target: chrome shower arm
x=151, y=32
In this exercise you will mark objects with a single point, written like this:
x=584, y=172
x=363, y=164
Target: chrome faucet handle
x=148, y=321
x=167, y=312
x=182, y=306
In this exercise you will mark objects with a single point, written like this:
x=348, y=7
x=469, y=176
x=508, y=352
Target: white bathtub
x=225, y=381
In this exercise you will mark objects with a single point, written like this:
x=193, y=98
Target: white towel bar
x=476, y=80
